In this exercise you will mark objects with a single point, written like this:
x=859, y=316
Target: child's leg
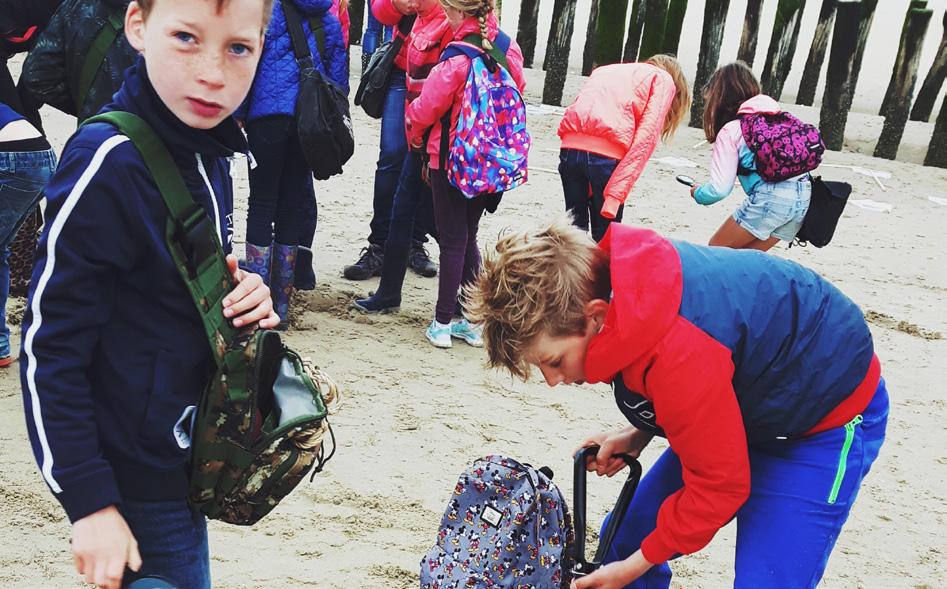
x=475, y=210
x=575, y=185
x=267, y=141
x=451, y=216
x=732, y=235
x=661, y=480
x=408, y=202
x=172, y=540
x=802, y=492
x=294, y=188
x=393, y=149
x=4, y=294
x=600, y=170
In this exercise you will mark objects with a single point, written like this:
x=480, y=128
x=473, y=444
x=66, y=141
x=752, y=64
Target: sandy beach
x=415, y=416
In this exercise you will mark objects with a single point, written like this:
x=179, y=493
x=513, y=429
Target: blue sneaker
x=470, y=333
x=439, y=334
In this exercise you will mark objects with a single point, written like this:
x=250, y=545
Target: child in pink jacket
x=610, y=132
x=457, y=218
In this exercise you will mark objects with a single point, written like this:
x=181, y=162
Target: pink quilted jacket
x=619, y=113
x=444, y=89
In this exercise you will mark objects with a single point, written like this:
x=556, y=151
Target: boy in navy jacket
x=114, y=353
x=761, y=375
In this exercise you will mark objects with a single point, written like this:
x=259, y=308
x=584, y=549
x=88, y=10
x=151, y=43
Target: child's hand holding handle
x=629, y=440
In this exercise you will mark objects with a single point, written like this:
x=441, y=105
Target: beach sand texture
x=415, y=416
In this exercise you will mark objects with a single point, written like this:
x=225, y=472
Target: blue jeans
x=172, y=540
x=801, y=493
x=375, y=33
x=580, y=170
x=23, y=177
x=411, y=211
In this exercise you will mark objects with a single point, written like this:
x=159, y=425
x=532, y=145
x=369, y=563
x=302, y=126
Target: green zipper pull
x=843, y=459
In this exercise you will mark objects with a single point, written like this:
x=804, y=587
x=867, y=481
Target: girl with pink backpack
x=463, y=178
x=770, y=151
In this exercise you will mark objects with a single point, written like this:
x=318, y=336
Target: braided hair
x=480, y=9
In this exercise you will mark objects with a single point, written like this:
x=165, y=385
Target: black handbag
x=825, y=207
x=323, y=120
x=373, y=85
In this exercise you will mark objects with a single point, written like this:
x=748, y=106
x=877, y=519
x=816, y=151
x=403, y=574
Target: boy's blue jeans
x=580, y=170
x=23, y=177
x=172, y=540
x=801, y=493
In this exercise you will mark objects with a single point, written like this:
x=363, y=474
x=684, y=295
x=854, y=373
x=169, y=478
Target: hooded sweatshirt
x=732, y=158
x=729, y=348
x=114, y=354
x=619, y=113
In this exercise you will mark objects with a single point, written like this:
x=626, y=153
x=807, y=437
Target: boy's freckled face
x=561, y=359
x=201, y=62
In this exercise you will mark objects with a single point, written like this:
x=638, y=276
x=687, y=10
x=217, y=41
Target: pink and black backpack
x=784, y=146
x=488, y=154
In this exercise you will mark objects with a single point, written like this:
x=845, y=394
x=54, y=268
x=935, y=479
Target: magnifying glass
x=685, y=180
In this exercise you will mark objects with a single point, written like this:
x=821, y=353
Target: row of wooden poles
x=655, y=27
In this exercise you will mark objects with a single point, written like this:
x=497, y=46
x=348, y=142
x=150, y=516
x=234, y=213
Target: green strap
x=189, y=233
x=843, y=458
x=476, y=40
x=96, y=56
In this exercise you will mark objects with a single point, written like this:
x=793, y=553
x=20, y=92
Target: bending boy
x=760, y=373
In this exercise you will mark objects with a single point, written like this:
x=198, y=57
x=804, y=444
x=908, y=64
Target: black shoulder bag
x=373, y=85
x=825, y=207
x=323, y=121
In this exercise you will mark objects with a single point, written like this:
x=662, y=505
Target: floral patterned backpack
x=489, y=151
x=783, y=146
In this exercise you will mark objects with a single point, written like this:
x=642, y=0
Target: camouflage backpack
x=260, y=423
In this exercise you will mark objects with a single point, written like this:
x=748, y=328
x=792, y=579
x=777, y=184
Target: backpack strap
x=297, y=34
x=96, y=57
x=189, y=232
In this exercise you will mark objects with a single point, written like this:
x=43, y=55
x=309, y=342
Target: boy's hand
x=614, y=575
x=102, y=545
x=629, y=440
x=250, y=301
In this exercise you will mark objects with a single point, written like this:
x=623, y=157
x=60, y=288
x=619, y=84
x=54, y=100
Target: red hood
x=646, y=297
x=472, y=26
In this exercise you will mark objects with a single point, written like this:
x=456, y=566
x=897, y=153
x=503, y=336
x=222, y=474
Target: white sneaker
x=439, y=334
x=470, y=333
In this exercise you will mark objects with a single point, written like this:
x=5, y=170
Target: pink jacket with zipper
x=619, y=114
x=444, y=89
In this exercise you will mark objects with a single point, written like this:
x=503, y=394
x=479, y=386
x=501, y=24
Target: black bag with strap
x=323, y=120
x=373, y=85
x=114, y=26
x=262, y=418
x=825, y=208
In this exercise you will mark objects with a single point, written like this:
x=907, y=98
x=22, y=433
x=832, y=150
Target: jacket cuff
x=655, y=550
x=89, y=494
x=610, y=207
x=385, y=12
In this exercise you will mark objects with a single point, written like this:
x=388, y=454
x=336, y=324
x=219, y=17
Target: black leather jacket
x=52, y=69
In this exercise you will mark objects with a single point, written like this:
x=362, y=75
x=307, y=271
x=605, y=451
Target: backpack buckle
x=195, y=237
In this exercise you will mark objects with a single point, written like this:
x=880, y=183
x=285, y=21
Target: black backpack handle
x=582, y=566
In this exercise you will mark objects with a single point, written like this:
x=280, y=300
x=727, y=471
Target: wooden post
x=715, y=17
x=915, y=4
x=675, y=23
x=864, y=27
x=905, y=68
x=526, y=30
x=610, y=32
x=838, y=77
x=591, y=39
x=927, y=95
x=782, y=46
x=937, y=151
x=357, y=20
x=652, y=39
x=751, y=29
x=557, y=55
x=820, y=42
x=635, y=24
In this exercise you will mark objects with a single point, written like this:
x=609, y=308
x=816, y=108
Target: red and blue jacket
x=718, y=349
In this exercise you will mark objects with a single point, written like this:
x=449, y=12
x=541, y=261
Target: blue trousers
x=172, y=540
x=23, y=176
x=801, y=493
x=580, y=170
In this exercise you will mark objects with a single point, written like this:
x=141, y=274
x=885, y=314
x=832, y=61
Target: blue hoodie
x=114, y=354
x=276, y=84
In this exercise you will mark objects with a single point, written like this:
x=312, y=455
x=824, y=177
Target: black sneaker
x=368, y=265
x=420, y=262
x=375, y=304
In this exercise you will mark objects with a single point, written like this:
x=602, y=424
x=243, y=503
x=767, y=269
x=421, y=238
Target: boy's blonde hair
x=682, y=98
x=537, y=282
x=146, y=6
x=478, y=8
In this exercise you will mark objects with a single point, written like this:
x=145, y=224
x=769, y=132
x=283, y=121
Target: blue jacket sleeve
x=335, y=61
x=87, y=241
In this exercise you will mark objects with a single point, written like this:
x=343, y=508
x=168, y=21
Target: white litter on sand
x=871, y=205
x=938, y=200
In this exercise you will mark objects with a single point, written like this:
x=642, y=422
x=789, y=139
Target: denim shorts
x=775, y=210
x=23, y=176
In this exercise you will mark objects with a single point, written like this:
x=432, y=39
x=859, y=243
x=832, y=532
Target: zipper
x=843, y=459
x=213, y=197
x=279, y=473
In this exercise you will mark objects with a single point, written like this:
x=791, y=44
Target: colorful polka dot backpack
x=490, y=146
